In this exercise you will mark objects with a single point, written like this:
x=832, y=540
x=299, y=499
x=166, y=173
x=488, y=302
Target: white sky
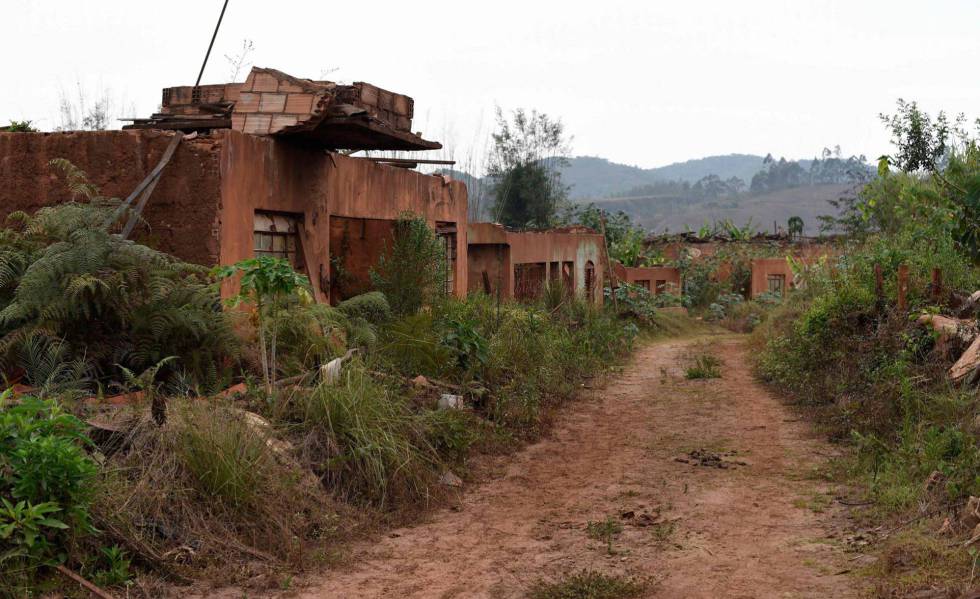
x=645, y=83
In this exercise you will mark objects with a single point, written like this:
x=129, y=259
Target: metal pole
x=211, y=45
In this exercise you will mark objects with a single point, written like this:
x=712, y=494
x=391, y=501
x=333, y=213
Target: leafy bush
x=46, y=486
x=461, y=337
x=412, y=345
x=867, y=369
x=633, y=301
x=100, y=299
x=363, y=439
x=371, y=306
x=308, y=335
x=411, y=273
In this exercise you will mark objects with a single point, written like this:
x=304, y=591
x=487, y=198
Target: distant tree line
x=776, y=174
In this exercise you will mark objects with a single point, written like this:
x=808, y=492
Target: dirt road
x=756, y=528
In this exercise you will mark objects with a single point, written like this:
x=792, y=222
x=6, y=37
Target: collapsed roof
x=359, y=116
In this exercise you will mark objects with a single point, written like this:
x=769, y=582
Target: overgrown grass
x=604, y=530
x=589, y=584
x=871, y=378
x=363, y=439
x=705, y=366
x=212, y=485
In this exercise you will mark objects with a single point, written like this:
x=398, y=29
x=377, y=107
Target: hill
x=635, y=191
x=594, y=177
x=678, y=213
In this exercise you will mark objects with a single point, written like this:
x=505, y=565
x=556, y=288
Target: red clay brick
x=290, y=88
x=232, y=92
x=237, y=121
x=265, y=82
x=299, y=104
x=400, y=105
x=272, y=102
x=281, y=121
x=249, y=83
x=257, y=123
x=247, y=102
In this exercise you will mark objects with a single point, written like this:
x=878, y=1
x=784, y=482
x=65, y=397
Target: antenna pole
x=211, y=45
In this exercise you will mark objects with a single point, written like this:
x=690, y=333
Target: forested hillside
x=736, y=187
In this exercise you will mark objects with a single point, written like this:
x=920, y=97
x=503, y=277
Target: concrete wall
x=551, y=248
x=648, y=276
x=762, y=268
x=260, y=173
x=494, y=259
x=203, y=208
x=182, y=214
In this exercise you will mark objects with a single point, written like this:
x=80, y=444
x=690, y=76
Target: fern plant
x=67, y=278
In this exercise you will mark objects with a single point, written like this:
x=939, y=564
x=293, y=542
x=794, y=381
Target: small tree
x=412, y=272
x=921, y=141
x=268, y=283
x=528, y=151
x=795, y=226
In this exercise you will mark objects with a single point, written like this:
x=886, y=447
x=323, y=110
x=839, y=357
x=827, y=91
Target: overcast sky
x=646, y=83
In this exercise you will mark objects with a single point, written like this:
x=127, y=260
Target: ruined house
x=259, y=171
x=767, y=256
x=518, y=265
x=655, y=279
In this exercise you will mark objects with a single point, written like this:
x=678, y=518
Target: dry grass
x=205, y=490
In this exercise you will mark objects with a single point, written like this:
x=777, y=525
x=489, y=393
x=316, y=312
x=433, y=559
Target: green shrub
x=226, y=459
x=589, y=584
x=451, y=433
x=66, y=277
x=371, y=306
x=365, y=441
x=411, y=273
x=705, y=367
x=412, y=345
x=308, y=335
x=46, y=484
x=462, y=338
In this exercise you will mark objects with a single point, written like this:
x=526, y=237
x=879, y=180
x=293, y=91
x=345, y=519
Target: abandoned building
x=677, y=246
x=766, y=256
x=253, y=169
x=655, y=279
x=511, y=264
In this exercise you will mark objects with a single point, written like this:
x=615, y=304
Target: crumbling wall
x=261, y=173
x=356, y=245
x=558, y=253
x=656, y=279
x=492, y=259
x=556, y=246
x=182, y=213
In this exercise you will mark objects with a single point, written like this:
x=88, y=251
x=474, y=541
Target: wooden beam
x=407, y=160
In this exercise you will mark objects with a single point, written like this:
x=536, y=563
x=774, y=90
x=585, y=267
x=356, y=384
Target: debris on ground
x=952, y=332
x=449, y=479
x=970, y=517
x=641, y=519
x=710, y=459
x=448, y=401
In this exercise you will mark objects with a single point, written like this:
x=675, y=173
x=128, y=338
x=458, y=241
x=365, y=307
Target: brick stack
x=395, y=109
x=186, y=100
x=270, y=101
